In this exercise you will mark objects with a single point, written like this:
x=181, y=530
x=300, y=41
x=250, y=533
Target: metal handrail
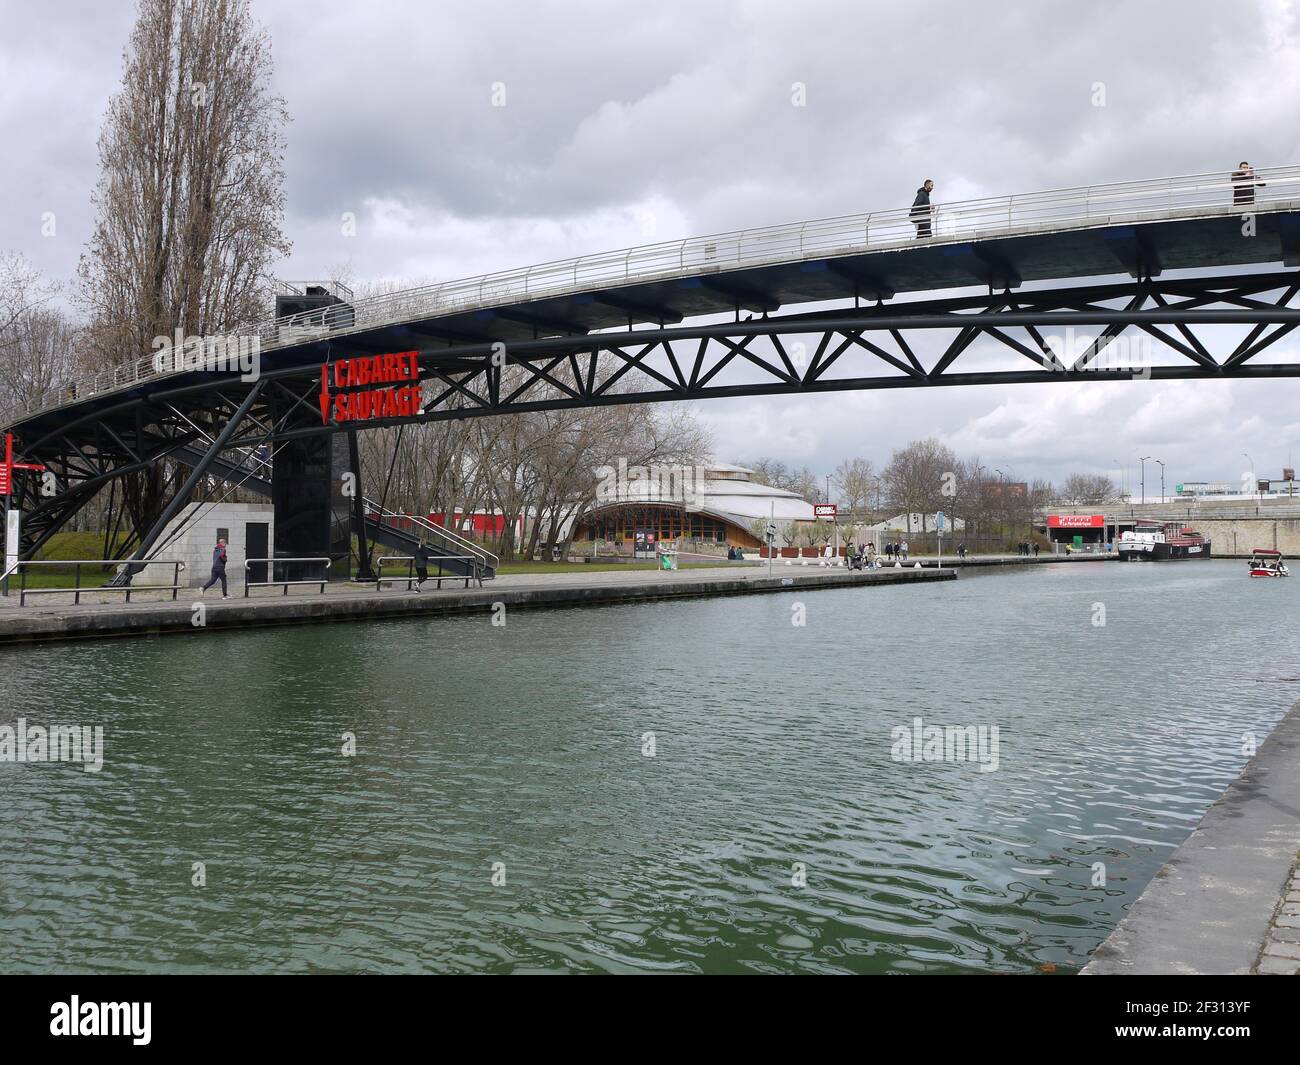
x=1191, y=195
x=322, y=581
x=486, y=557
x=76, y=589
x=476, y=572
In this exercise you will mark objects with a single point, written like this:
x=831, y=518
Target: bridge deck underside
x=1006, y=262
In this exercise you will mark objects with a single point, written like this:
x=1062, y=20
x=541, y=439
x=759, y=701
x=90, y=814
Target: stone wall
x=1241, y=535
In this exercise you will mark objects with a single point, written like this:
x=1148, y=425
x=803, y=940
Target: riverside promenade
x=102, y=614
x=1228, y=900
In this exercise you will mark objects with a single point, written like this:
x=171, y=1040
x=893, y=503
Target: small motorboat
x=1266, y=563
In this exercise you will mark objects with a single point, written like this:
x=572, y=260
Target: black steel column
x=301, y=493
x=359, y=511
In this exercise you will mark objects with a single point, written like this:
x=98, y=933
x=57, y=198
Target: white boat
x=1267, y=563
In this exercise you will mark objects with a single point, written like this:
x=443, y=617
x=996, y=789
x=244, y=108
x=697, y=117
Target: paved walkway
x=1281, y=953
x=141, y=595
x=106, y=614
x=1228, y=899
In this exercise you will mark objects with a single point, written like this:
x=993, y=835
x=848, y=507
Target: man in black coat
x=422, y=556
x=1244, y=185
x=922, y=212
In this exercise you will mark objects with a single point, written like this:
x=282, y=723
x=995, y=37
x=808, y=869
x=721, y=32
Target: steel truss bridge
x=841, y=304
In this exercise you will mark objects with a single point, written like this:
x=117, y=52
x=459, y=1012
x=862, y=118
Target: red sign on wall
x=1076, y=521
x=8, y=466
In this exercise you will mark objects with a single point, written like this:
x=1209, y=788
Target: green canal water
x=502, y=812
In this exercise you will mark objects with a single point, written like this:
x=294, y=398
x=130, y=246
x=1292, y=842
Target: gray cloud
x=627, y=122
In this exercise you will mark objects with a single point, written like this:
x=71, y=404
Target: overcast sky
x=629, y=122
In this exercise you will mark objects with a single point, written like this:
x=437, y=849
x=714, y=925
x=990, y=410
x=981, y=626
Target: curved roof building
x=719, y=503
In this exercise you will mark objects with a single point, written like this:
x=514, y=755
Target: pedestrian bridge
x=708, y=317
x=1139, y=228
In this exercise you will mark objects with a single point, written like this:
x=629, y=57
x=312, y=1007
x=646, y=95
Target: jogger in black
x=422, y=556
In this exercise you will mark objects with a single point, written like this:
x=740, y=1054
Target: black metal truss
x=683, y=363
x=91, y=451
x=875, y=347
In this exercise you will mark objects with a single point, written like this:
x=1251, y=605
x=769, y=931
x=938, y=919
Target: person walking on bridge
x=922, y=211
x=1244, y=185
x=218, y=569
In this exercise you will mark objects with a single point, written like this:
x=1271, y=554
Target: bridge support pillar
x=364, y=571
x=312, y=515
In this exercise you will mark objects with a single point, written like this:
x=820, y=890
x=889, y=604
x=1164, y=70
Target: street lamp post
x=1002, y=498
x=1143, y=460
x=1162, y=480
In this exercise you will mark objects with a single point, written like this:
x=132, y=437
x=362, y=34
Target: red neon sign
x=394, y=400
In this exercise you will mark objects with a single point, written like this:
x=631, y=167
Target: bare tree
x=1085, y=489
x=190, y=197
x=776, y=474
x=858, y=484
x=916, y=478
x=35, y=356
x=34, y=337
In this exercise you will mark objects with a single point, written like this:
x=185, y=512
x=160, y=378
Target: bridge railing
x=1080, y=207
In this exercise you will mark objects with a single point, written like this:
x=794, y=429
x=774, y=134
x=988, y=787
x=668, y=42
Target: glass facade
x=667, y=523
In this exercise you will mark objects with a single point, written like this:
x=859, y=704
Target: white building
x=247, y=528
x=717, y=503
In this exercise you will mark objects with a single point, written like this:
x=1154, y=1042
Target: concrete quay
x=1228, y=900
x=50, y=620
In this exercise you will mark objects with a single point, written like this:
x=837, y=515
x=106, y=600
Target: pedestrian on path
x=422, y=556
x=218, y=569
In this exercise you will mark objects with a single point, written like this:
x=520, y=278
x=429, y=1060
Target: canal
x=691, y=786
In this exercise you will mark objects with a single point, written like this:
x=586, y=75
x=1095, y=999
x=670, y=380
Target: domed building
x=717, y=504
